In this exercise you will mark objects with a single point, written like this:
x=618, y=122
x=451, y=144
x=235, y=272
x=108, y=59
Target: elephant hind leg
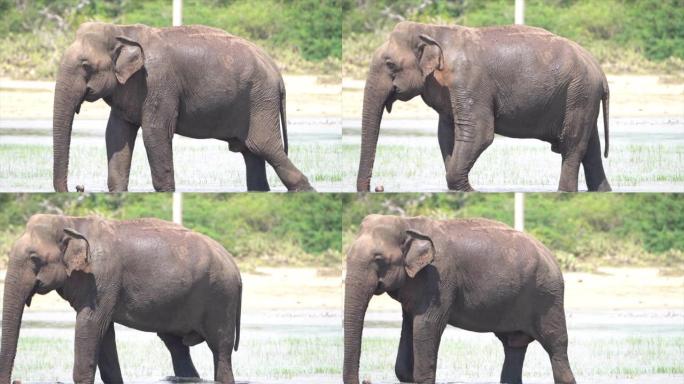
x=515, y=347
x=256, y=172
x=222, y=350
x=180, y=355
x=552, y=334
x=593, y=165
x=264, y=140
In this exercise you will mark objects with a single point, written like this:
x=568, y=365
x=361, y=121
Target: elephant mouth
x=379, y=289
x=34, y=290
x=90, y=95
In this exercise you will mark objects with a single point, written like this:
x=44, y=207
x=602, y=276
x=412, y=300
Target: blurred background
x=304, y=37
x=624, y=35
x=639, y=44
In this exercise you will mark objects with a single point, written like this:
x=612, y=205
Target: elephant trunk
x=376, y=95
x=18, y=290
x=69, y=93
x=356, y=297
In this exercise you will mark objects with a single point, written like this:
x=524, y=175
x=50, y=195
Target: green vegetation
x=41, y=355
x=624, y=35
x=258, y=229
x=28, y=166
x=596, y=355
x=584, y=230
x=303, y=36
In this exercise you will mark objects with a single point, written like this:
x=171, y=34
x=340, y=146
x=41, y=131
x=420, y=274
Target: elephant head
x=398, y=71
x=102, y=57
x=387, y=251
x=41, y=260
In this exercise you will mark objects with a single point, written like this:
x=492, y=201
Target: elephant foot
x=460, y=187
x=305, y=188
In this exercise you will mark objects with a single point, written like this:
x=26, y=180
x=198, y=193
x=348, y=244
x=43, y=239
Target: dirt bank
x=630, y=96
x=308, y=288
x=307, y=96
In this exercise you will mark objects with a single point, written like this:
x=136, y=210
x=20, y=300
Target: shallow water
x=646, y=154
x=595, y=337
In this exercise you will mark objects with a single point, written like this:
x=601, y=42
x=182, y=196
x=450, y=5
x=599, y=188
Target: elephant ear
x=77, y=252
x=431, y=57
x=129, y=60
x=419, y=252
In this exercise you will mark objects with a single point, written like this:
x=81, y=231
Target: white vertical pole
x=519, y=211
x=177, y=12
x=520, y=12
x=178, y=208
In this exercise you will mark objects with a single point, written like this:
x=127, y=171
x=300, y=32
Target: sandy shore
x=609, y=289
x=630, y=96
x=307, y=96
x=308, y=288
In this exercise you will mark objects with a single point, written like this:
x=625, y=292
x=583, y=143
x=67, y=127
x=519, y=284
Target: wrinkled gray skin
x=194, y=81
x=146, y=274
x=475, y=274
x=514, y=81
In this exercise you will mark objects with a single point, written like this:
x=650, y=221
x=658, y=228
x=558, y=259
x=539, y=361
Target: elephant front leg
x=120, y=139
x=108, y=360
x=473, y=133
x=445, y=135
x=159, y=126
x=404, y=365
x=91, y=326
x=427, y=333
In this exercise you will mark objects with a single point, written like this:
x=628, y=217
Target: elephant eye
x=379, y=258
x=392, y=67
x=87, y=67
x=37, y=261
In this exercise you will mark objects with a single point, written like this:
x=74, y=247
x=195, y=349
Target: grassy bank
x=585, y=231
x=302, y=36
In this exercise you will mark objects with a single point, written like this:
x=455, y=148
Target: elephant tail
x=283, y=117
x=605, y=99
x=237, y=320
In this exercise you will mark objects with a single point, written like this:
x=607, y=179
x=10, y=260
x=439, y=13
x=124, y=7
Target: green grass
x=143, y=356
x=594, y=357
x=506, y=165
x=205, y=165
x=516, y=164
x=621, y=346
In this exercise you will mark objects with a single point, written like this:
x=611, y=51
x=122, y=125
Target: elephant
x=194, y=81
x=146, y=274
x=515, y=81
x=476, y=274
